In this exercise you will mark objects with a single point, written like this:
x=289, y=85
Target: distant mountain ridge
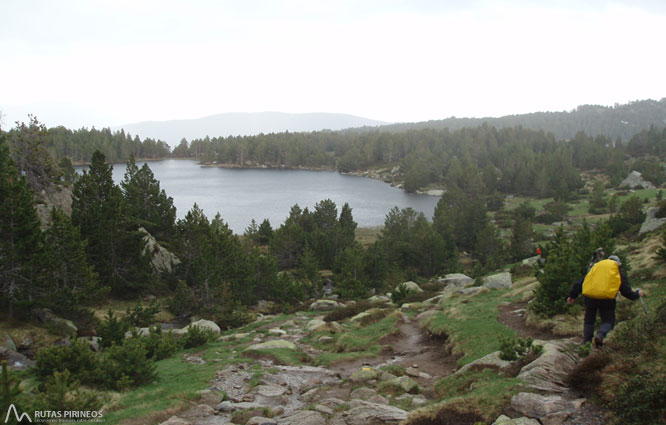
x=619, y=121
x=240, y=123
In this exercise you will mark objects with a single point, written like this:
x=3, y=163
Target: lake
x=240, y=195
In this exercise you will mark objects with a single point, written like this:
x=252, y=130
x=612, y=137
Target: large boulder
x=379, y=299
x=410, y=286
x=456, y=279
x=14, y=359
x=162, y=260
x=497, y=281
x=60, y=326
x=364, y=374
x=325, y=305
x=8, y=342
x=635, y=180
x=548, y=409
x=491, y=360
x=203, y=324
x=367, y=413
x=303, y=417
x=505, y=420
x=651, y=222
x=549, y=371
x=404, y=384
x=272, y=345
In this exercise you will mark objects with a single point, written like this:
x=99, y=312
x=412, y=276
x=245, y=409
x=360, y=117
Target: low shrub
x=127, y=365
x=61, y=393
x=78, y=358
x=640, y=400
x=141, y=316
x=587, y=375
x=160, y=345
x=516, y=348
x=197, y=336
x=112, y=330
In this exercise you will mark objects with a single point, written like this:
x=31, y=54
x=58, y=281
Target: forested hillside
x=618, y=121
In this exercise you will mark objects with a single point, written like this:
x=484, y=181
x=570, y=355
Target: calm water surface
x=240, y=195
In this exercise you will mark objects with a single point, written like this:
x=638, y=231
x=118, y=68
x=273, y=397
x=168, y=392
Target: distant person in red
x=599, y=288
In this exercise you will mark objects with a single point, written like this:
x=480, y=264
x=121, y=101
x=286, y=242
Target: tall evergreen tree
x=70, y=281
x=115, y=247
x=21, y=236
x=145, y=203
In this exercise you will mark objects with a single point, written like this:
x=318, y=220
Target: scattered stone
x=324, y=305
x=432, y=301
x=419, y=400
x=490, y=360
x=530, y=261
x=364, y=374
x=57, y=324
x=225, y=406
x=258, y=420
x=505, y=420
x=404, y=383
x=359, y=316
x=314, y=324
x=332, y=402
x=323, y=409
x=233, y=337
x=497, y=281
x=206, y=325
x=365, y=413
x=458, y=280
x=549, y=410
x=270, y=345
x=304, y=417
x=363, y=393
x=175, y=420
x=194, y=359
x=413, y=372
x=385, y=376
x=325, y=339
x=424, y=375
x=378, y=399
x=277, y=332
x=380, y=299
x=205, y=410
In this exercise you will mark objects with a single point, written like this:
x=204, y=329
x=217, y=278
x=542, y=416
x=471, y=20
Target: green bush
x=61, y=393
x=160, y=345
x=127, y=365
x=516, y=348
x=197, y=336
x=640, y=400
x=112, y=330
x=78, y=358
x=141, y=316
x=400, y=294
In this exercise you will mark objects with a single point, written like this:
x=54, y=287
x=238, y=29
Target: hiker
x=600, y=287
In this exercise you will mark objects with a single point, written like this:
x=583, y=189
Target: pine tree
x=21, y=236
x=114, y=247
x=72, y=282
x=146, y=204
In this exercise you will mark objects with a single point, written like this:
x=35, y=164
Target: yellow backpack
x=602, y=281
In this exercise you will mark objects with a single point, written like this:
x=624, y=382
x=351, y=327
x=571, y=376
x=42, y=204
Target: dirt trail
x=513, y=315
x=411, y=347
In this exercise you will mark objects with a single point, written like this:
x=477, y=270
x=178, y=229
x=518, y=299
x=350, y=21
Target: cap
x=616, y=259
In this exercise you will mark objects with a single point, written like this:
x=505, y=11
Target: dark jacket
x=625, y=288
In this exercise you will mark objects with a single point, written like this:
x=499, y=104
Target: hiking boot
x=598, y=342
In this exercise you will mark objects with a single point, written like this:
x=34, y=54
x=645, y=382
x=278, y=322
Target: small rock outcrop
x=458, y=280
x=549, y=409
x=497, y=281
x=367, y=413
x=549, y=371
x=651, y=222
x=272, y=345
x=162, y=260
x=505, y=420
x=57, y=324
x=411, y=286
x=635, y=180
x=325, y=305
x=490, y=360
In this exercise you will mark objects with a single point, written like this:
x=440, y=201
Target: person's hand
x=640, y=292
x=570, y=300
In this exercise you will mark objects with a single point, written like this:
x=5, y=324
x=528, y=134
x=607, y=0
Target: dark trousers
x=606, y=310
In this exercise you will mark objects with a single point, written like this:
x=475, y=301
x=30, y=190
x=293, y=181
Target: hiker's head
x=599, y=253
x=616, y=259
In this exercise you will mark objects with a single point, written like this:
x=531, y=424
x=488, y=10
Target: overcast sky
x=103, y=63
